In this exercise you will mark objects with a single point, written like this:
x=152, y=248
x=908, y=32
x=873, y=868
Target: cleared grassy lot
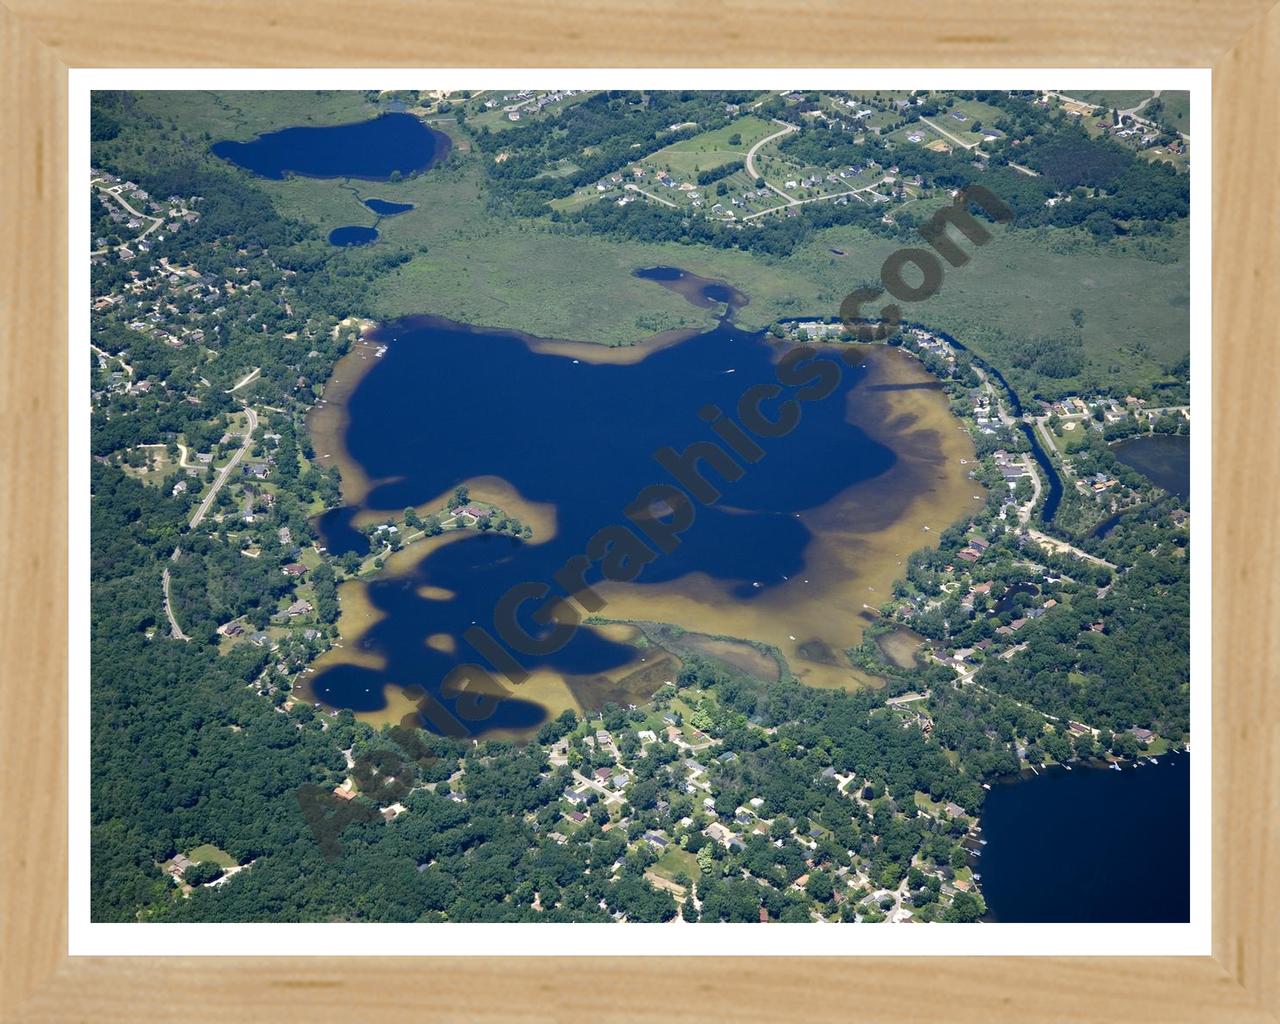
x=675, y=861
x=973, y=112
x=1115, y=99
x=1177, y=109
x=711, y=149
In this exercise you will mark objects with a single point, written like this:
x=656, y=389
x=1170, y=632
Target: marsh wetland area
x=539, y=482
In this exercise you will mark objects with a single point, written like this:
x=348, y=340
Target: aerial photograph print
x=668, y=506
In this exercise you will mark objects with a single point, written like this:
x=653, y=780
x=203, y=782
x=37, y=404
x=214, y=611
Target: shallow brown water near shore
x=789, y=557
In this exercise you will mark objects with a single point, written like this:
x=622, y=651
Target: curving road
x=749, y=163
x=1130, y=112
x=155, y=221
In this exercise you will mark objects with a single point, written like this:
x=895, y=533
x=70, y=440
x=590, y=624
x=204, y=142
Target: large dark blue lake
x=446, y=404
x=375, y=149
x=1090, y=845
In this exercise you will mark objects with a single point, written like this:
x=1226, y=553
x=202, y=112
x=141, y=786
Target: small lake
x=704, y=292
x=386, y=208
x=353, y=235
x=1007, y=598
x=1164, y=459
x=374, y=150
x=1090, y=845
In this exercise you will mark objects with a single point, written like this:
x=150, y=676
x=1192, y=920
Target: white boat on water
x=1154, y=761
x=1115, y=767
x=986, y=785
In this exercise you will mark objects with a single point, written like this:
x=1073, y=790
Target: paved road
x=225, y=473
x=174, y=628
x=1043, y=423
x=994, y=393
x=155, y=221
x=855, y=192
x=958, y=141
x=1056, y=545
x=248, y=378
x=752, y=173
x=1131, y=112
x=107, y=355
x=633, y=187
x=202, y=511
x=1024, y=511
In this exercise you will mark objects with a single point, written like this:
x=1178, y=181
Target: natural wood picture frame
x=42, y=39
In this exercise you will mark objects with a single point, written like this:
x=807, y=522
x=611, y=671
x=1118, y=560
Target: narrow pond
x=703, y=292
x=386, y=208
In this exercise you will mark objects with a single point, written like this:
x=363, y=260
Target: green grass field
x=209, y=852
x=974, y=112
x=232, y=115
x=1115, y=99
x=552, y=286
x=673, y=861
x=904, y=136
x=1177, y=109
x=489, y=270
x=1022, y=284
x=711, y=149
x=1070, y=435
x=882, y=119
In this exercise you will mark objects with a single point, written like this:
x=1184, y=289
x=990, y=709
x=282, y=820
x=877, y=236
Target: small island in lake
x=499, y=516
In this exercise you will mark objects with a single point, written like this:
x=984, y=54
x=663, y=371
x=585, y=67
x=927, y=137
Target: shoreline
x=850, y=563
